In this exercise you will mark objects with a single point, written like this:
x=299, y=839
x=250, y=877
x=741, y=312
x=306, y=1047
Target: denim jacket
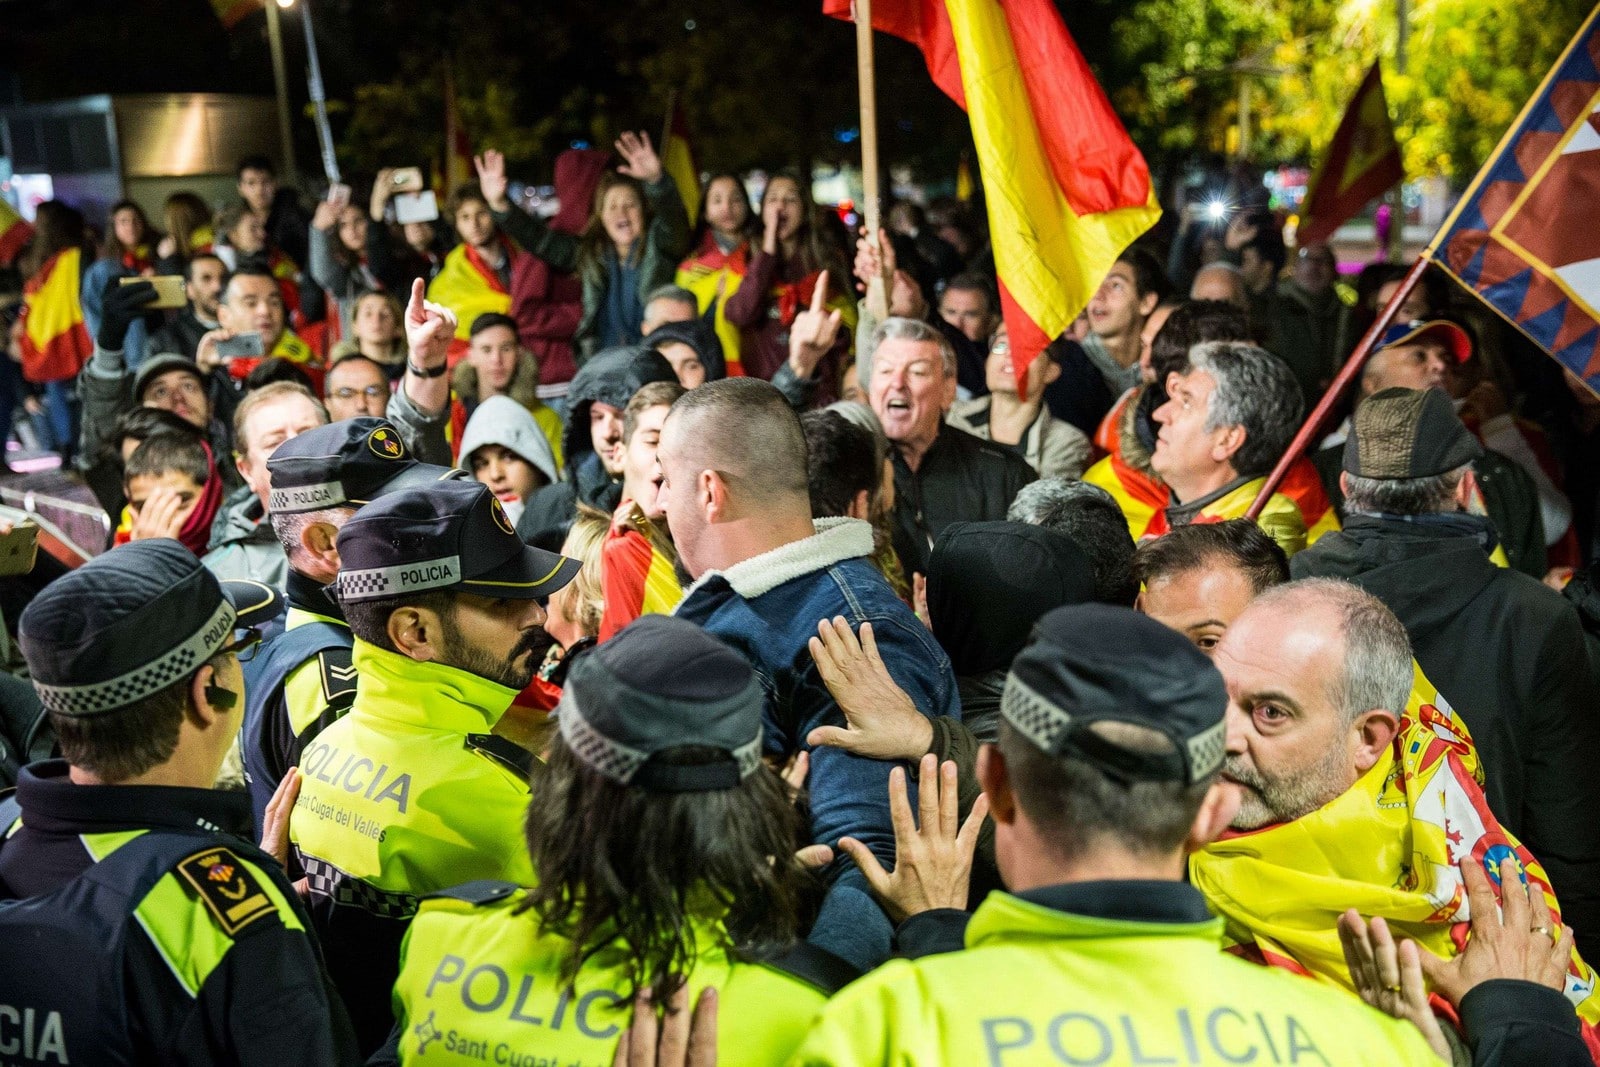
x=768, y=608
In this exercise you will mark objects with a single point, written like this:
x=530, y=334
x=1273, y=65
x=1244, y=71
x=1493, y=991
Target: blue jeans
x=61, y=417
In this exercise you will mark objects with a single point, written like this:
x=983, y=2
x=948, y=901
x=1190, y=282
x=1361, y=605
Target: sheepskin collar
x=835, y=541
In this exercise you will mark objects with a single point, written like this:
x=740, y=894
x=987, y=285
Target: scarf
x=1388, y=846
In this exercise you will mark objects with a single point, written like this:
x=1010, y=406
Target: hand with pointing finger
x=429, y=329
x=813, y=332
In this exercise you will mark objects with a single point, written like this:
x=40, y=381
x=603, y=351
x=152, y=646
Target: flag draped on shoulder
x=677, y=159
x=55, y=341
x=1363, y=162
x=1523, y=236
x=15, y=233
x=1067, y=190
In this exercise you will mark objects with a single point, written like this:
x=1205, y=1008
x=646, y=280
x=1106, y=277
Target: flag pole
x=666, y=123
x=877, y=288
x=1347, y=374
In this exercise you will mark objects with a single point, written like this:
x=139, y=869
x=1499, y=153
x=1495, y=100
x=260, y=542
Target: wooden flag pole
x=1341, y=382
x=871, y=207
x=666, y=123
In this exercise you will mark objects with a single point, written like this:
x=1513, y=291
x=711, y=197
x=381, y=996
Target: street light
x=281, y=82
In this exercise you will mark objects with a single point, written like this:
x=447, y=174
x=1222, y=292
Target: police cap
x=130, y=623
x=663, y=683
x=345, y=464
x=445, y=536
x=1092, y=663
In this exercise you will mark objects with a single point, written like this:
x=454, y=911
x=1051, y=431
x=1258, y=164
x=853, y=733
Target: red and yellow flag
x=677, y=159
x=55, y=341
x=15, y=233
x=1067, y=190
x=232, y=12
x=1362, y=163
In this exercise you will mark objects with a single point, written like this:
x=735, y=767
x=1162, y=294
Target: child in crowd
x=173, y=490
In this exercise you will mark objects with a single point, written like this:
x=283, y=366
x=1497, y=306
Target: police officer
x=653, y=833
x=301, y=679
x=411, y=792
x=138, y=922
x=1106, y=770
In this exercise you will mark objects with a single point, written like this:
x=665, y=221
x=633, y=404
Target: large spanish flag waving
x=1363, y=163
x=1067, y=190
x=55, y=342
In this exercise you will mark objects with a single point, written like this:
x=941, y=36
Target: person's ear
x=1147, y=304
x=1374, y=732
x=995, y=781
x=1216, y=814
x=1467, y=490
x=1231, y=440
x=947, y=396
x=860, y=505
x=319, y=539
x=1344, y=482
x=209, y=701
x=712, y=494
x=416, y=633
x=241, y=466
x=1052, y=369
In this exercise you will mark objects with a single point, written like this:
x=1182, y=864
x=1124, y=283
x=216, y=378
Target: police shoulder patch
x=227, y=888
x=338, y=676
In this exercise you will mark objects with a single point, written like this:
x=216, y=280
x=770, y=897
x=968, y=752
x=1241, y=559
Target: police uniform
x=481, y=979
x=139, y=923
x=410, y=792
x=1104, y=972
x=302, y=678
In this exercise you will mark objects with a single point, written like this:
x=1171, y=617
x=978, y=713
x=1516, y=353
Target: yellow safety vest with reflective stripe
x=1042, y=986
x=478, y=982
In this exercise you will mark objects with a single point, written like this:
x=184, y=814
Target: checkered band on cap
x=93, y=698
x=295, y=498
x=1207, y=751
x=376, y=583
x=1033, y=716
x=611, y=758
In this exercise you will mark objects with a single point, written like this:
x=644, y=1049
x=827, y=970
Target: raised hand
x=881, y=722
x=640, y=159
x=875, y=260
x=933, y=860
x=813, y=332
x=429, y=329
x=771, y=214
x=161, y=515
x=491, y=168
x=326, y=216
x=275, y=824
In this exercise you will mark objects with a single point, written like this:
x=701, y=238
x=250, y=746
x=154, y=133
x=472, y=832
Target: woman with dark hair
x=127, y=252
x=782, y=275
x=721, y=256
x=663, y=847
x=55, y=341
x=337, y=249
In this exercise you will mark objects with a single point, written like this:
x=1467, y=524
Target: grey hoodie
x=502, y=421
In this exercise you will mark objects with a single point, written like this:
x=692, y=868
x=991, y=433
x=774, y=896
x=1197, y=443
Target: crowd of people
x=588, y=637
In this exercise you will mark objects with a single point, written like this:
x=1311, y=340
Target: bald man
x=1220, y=281
x=737, y=498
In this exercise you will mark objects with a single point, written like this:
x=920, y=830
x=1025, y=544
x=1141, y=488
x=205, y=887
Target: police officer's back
x=1111, y=740
x=663, y=848
x=302, y=678
x=138, y=922
x=411, y=792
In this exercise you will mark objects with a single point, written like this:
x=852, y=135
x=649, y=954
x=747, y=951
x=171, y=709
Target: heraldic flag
x=1363, y=163
x=1066, y=188
x=1523, y=237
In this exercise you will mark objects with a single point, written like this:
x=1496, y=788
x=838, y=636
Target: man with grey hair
x=941, y=474
x=1507, y=652
x=668, y=303
x=1225, y=423
x=1090, y=516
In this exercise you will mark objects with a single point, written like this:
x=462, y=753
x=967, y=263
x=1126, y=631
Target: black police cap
x=130, y=623
x=1094, y=663
x=345, y=464
x=450, y=535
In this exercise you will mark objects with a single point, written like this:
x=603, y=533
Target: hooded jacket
x=611, y=377
x=500, y=420
x=523, y=388
x=1509, y=655
x=243, y=544
x=699, y=335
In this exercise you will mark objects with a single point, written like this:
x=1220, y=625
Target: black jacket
x=1080, y=395
x=962, y=478
x=1509, y=655
x=181, y=336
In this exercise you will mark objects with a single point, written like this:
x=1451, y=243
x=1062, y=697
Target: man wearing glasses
x=141, y=923
x=355, y=386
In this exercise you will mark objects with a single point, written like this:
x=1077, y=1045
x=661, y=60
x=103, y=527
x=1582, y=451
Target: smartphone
x=241, y=345
x=416, y=207
x=19, y=548
x=406, y=180
x=339, y=194
x=169, y=291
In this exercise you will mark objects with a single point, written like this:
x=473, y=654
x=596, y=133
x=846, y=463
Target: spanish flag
x=1066, y=188
x=677, y=159
x=637, y=576
x=1362, y=163
x=55, y=342
x=457, y=169
x=15, y=233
